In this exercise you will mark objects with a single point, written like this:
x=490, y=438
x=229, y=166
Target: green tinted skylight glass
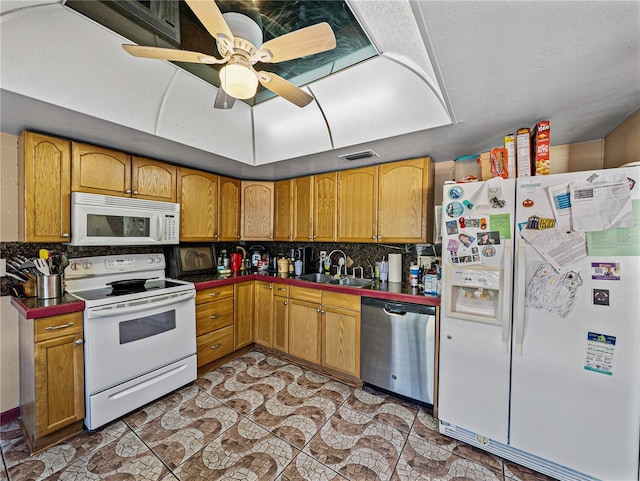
x=172, y=24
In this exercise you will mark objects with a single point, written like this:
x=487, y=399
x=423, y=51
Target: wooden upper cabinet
x=198, y=199
x=153, y=180
x=257, y=210
x=325, y=188
x=97, y=170
x=229, y=209
x=283, y=209
x=45, y=181
x=100, y=171
x=405, y=192
x=357, y=204
x=303, y=209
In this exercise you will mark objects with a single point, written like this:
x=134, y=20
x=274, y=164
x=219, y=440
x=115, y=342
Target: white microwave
x=103, y=220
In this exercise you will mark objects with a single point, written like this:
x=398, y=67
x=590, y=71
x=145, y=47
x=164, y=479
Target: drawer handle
x=214, y=316
x=214, y=294
x=80, y=341
x=215, y=346
x=61, y=326
x=281, y=289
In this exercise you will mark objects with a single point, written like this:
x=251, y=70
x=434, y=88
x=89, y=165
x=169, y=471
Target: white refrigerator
x=540, y=321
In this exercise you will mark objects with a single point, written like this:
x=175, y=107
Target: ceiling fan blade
x=223, y=100
x=171, y=54
x=299, y=43
x=210, y=16
x=284, y=89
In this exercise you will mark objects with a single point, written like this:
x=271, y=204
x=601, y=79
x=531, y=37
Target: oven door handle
x=165, y=301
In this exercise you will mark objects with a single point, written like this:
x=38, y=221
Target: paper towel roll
x=395, y=267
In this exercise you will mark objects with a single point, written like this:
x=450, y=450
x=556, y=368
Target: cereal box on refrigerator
x=541, y=139
x=523, y=152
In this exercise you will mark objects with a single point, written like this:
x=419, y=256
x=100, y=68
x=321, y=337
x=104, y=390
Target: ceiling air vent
x=365, y=154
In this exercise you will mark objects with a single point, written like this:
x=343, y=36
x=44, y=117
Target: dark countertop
x=33, y=308
x=402, y=292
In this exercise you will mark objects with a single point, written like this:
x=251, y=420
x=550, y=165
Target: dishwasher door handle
x=394, y=313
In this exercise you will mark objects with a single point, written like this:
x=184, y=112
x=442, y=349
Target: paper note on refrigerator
x=561, y=248
x=548, y=291
x=601, y=204
x=617, y=242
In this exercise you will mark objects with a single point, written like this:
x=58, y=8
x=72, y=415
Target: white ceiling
x=452, y=79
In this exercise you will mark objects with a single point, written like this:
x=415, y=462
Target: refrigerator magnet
x=605, y=271
x=452, y=227
x=454, y=209
x=456, y=192
x=495, y=197
x=601, y=297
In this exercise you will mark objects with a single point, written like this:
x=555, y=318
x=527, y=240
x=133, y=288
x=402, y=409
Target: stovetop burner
x=148, y=287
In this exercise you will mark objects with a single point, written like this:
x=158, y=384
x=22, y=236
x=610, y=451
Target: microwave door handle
x=158, y=227
x=107, y=312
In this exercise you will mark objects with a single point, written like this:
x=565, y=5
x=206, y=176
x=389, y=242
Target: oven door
x=129, y=339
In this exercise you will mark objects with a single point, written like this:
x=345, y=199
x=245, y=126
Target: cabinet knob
x=270, y=286
x=285, y=303
x=215, y=236
x=128, y=191
x=135, y=192
x=66, y=234
x=310, y=237
x=373, y=237
x=80, y=341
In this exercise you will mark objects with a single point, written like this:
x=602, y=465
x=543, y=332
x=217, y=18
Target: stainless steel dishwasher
x=397, y=344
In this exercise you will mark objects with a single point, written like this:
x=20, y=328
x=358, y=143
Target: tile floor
x=261, y=418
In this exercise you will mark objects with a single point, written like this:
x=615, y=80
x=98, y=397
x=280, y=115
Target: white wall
x=9, y=374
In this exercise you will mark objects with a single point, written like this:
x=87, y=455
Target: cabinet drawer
x=214, y=293
x=214, y=345
x=336, y=299
x=280, y=290
x=214, y=315
x=305, y=294
x=55, y=326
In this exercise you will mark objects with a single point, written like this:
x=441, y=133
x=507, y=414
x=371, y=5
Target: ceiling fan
x=239, y=42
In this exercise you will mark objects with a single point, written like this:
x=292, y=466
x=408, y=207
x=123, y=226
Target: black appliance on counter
x=191, y=259
x=308, y=257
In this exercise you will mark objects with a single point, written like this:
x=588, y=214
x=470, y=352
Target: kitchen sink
x=351, y=282
x=316, y=277
x=342, y=281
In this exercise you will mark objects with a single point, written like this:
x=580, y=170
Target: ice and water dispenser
x=474, y=293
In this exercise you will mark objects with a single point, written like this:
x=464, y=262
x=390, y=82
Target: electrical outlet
x=323, y=254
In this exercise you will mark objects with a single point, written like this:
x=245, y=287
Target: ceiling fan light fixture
x=238, y=81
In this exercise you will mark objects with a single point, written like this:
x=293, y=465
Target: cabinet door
x=59, y=383
x=303, y=209
x=283, y=222
x=405, y=194
x=325, y=188
x=198, y=198
x=263, y=314
x=153, y=180
x=243, y=313
x=100, y=171
x=45, y=173
x=229, y=209
x=257, y=210
x=304, y=330
x=341, y=340
x=281, y=323
x=357, y=204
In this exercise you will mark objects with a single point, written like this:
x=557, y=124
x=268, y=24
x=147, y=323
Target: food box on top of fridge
x=541, y=147
x=523, y=152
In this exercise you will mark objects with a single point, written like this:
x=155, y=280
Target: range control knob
x=74, y=266
x=149, y=260
x=87, y=265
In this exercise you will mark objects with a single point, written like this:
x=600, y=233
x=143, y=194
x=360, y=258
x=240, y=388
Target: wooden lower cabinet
x=243, y=308
x=304, y=330
x=263, y=313
x=214, y=323
x=341, y=332
x=51, y=379
x=280, y=334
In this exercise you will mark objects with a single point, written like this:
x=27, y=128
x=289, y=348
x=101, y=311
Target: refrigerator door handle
x=519, y=314
x=506, y=302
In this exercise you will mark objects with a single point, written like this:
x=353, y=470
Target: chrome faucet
x=353, y=271
x=340, y=264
